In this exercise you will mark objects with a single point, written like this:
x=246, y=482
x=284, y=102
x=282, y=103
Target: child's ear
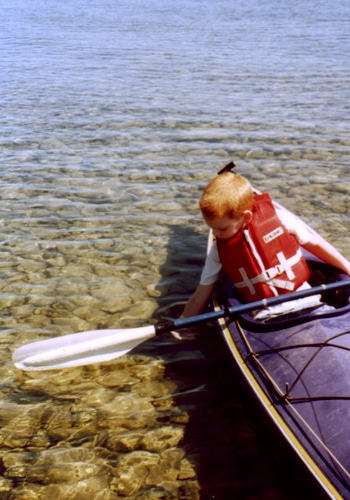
x=247, y=216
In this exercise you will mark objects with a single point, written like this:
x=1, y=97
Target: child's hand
x=185, y=334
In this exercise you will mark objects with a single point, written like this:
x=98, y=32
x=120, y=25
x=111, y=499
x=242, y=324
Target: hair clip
x=227, y=168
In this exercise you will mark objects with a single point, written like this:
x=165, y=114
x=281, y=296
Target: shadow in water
x=226, y=439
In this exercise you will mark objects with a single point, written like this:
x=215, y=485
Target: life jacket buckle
x=280, y=269
x=270, y=274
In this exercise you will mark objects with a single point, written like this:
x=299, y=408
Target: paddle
x=102, y=345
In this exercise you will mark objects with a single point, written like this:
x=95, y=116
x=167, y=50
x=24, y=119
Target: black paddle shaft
x=177, y=324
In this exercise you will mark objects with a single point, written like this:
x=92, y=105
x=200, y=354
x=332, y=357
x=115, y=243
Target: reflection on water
x=114, y=118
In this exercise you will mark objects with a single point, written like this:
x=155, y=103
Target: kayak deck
x=298, y=367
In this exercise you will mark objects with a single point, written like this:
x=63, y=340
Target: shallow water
x=113, y=119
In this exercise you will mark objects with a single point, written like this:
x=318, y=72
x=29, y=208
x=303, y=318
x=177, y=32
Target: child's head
x=227, y=203
x=227, y=195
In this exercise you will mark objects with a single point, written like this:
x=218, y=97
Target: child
x=256, y=245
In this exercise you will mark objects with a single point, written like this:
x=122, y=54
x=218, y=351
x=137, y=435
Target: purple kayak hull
x=298, y=368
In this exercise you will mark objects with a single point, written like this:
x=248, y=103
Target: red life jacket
x=263, y=259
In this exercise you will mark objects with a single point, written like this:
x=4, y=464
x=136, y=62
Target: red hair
x=227, y=194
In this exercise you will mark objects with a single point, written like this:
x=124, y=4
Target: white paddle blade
x=80, y=349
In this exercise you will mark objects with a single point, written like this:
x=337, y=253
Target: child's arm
x=199, y=300
x=325, y=251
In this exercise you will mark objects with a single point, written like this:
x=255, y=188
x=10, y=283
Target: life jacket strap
x=269, y=276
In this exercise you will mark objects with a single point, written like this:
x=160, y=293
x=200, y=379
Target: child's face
x=224, y=227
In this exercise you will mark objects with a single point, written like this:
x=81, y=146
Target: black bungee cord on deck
x=287, y=398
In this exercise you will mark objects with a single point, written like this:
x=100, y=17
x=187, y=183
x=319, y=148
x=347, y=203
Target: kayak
x=297, y=366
